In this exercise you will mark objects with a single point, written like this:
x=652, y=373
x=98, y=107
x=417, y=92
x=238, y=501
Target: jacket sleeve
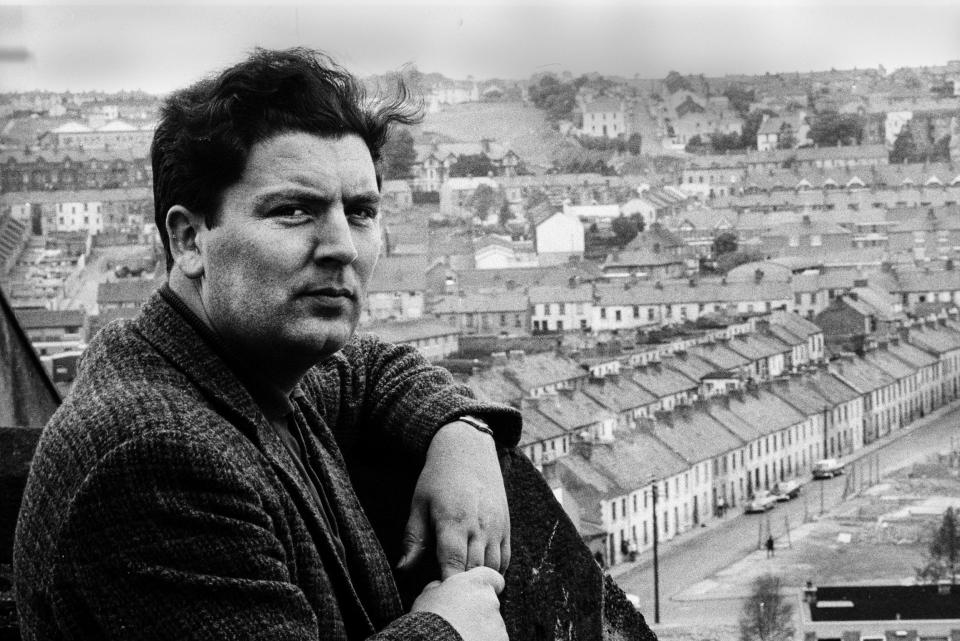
x=168, y=540
x=393, y=389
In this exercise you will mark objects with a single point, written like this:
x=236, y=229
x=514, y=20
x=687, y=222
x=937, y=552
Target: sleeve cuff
x=419, y=625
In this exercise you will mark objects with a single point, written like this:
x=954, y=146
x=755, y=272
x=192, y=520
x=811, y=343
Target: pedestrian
x=770, y=546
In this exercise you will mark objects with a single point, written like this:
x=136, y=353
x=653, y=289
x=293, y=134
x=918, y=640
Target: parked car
x=827, y=468
x=760, y=502
x=786, y=490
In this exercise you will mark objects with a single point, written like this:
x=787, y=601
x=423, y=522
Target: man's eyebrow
x=367, y=198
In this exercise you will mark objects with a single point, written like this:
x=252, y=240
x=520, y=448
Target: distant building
x=605, y=118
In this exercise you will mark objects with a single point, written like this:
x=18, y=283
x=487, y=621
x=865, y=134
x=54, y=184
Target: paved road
x=691, y=559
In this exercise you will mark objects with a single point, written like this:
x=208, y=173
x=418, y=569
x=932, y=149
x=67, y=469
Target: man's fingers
x=491, y=557
x=504, y=555
x=415, y=535
x=452, y=551
x=476, y=553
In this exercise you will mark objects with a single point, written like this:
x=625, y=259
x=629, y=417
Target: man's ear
x=184, y=228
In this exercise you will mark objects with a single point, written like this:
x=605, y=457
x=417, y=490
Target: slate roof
x=862, y=374
x=939, y=339
x=127, y=290
x=540, y=370
x=662, y=381
x=399, y=273
x=885, y=360
x=573, y=410
x=410, y=330
x=621, y=395
x=695, y=435
x=927, y=282
x=560, y=294
x=721, y=356
x=508, y=302
x=690, y=365
x=44, y=318
x=765, y=410
x=538, y=427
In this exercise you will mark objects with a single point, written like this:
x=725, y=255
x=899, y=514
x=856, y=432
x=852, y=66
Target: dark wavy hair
x=206, y=131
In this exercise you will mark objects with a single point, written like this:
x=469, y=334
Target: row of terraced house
x=711, y=423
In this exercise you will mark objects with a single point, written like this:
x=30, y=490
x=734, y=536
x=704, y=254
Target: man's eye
x=291, y=213
x=364, y=213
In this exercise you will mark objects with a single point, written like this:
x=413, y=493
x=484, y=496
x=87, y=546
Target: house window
x=603, y=312
x=636, y=311
x=562, y=308
x=617, y=315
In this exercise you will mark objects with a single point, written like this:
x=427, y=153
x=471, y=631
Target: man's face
x=287, y=264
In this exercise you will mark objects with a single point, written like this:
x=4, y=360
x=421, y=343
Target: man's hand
x=460, y=504
x=468, y=601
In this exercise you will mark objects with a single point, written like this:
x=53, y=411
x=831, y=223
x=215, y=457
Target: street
x=695, y=557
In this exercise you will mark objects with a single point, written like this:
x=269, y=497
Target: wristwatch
x=477, y=424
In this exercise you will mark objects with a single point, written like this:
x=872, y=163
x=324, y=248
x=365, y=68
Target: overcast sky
x=161, y=46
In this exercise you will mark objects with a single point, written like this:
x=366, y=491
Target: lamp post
x=656, y=562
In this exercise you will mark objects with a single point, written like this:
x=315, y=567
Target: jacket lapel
x=372, y=576
x=163, y=327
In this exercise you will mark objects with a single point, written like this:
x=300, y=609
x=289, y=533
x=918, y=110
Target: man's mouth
x=332, y=292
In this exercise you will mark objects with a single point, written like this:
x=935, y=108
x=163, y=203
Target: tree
x=625, y=228
x=904, y=146
x=831, y=128
x=554, y=97
x=483, y=200
x=635, y=144
x=787, y=139
x=766, y=615
x=725, y=243
x=721, y=142
x=751, y=125
x=695, y=145
x=943, y=555
x=740, y=99
x=472, y=165
x=399, y=155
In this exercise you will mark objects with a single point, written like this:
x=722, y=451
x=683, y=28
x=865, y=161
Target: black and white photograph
x=480, y=321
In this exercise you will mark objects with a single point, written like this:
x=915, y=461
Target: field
x=521, y=127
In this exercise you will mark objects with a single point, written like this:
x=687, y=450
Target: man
x=193, y=485
x=234, y=463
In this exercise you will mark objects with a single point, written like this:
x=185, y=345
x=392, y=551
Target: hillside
x=521, y=127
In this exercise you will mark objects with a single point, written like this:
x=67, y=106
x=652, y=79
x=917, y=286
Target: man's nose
x=334, y=240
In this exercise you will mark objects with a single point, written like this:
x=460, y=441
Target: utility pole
x=821, y=498
x=656, y=563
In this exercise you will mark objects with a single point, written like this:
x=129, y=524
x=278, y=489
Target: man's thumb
x=414, y=536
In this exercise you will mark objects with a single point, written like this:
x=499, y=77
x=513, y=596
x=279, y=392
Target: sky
x=161, y=46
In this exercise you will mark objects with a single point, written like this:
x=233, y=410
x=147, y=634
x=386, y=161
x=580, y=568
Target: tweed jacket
x=161, y=505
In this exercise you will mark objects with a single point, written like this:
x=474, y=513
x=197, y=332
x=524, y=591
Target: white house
x=560, y=233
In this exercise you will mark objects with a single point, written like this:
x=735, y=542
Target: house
x=619, y=394
x=813, y=350
x=820, y=157
x=670, y=387
x=884, y=393
x=605, y=118
x=542, y=440
x=643, y=264
x=943, y=341
x=561, y=308
x=843, y=432
x=848, y=318
x=396, y=194
x=786, y=132
x=703, y=443
x=713, y=381
x=397, y=289
x=455, y=194
x=705, y=177
x=767, y=354
x=772, y=430
x=507, y=313
x=908, y=612
x=53, y=330
x=578, y=414
x=915, y=287
x=129, y=293
x=559, y=236
x=609, y=488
